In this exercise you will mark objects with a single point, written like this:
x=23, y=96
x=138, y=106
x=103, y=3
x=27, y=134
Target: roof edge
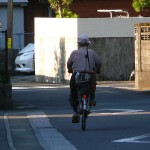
x=15, y=2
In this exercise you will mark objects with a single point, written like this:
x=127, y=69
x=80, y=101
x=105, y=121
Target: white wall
x=54, y=41
x=51, y=53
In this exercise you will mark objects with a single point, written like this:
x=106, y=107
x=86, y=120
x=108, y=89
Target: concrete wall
x=117, y=57
x=113, y=39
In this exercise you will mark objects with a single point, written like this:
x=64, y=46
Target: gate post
x=142, y=56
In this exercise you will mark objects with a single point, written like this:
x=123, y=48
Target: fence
x=19, y=41
x=2, y=40
x=22, y=39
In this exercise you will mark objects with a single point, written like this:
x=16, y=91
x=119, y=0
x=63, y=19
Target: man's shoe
x=75, y=118
x=92, y=102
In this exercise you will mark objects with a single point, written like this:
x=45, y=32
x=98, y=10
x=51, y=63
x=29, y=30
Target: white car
x=25, y=59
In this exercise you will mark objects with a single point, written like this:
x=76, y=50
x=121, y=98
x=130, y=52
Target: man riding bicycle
x=82, y=59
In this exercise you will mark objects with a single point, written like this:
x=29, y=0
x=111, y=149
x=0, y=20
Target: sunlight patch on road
x=117, y=87
x=105, y=112
x=38, y=87
x=117, y=112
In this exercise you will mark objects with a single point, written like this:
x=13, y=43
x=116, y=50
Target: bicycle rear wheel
x=84, y=116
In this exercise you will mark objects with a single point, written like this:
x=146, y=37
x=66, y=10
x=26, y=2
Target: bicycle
x=83, y=80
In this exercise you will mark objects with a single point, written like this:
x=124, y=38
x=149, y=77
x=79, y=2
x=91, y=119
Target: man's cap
x=84, y=39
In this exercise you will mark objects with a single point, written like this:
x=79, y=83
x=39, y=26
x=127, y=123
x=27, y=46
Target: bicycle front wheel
x=84, y=116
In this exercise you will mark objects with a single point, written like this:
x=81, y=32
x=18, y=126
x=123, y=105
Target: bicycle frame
x=84, y=99
x=83, y=88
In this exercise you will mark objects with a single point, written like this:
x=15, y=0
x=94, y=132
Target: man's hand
x=98, y=71
x=70, y=70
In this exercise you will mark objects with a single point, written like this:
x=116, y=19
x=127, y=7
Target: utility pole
x=9, y=34
x=5, y=84
x=8, y=87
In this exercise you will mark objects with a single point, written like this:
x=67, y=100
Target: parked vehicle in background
x=25, y=59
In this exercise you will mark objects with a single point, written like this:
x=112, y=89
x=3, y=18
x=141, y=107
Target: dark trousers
x=74, y=94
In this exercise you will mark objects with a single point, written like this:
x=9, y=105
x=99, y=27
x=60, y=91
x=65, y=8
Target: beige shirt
x=79, y=62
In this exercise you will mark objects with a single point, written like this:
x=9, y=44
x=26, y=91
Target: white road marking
x=136, y=139
x=48, y=137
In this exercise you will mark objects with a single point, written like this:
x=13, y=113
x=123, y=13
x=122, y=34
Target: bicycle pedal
x=93, y=104
x=88, y=112
x=75, y=120
x=80, y=112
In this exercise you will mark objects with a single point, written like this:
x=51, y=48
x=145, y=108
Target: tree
x=140, y=5
x=62, y=9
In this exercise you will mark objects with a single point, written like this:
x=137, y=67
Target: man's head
x=83, y=40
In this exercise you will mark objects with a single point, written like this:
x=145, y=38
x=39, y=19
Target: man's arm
x=69, y=64
x=97, y=63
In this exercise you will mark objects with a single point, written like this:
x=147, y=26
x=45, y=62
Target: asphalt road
x=120, y=121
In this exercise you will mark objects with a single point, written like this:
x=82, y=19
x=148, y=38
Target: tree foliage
x=62, y=9
x=140, y=5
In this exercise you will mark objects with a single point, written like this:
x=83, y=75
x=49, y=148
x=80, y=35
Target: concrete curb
x=10, y=142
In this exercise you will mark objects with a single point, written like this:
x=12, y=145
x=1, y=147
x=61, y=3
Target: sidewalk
x=16, y=131
x=25, y=130
x=20, y=134
x=32, y=131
